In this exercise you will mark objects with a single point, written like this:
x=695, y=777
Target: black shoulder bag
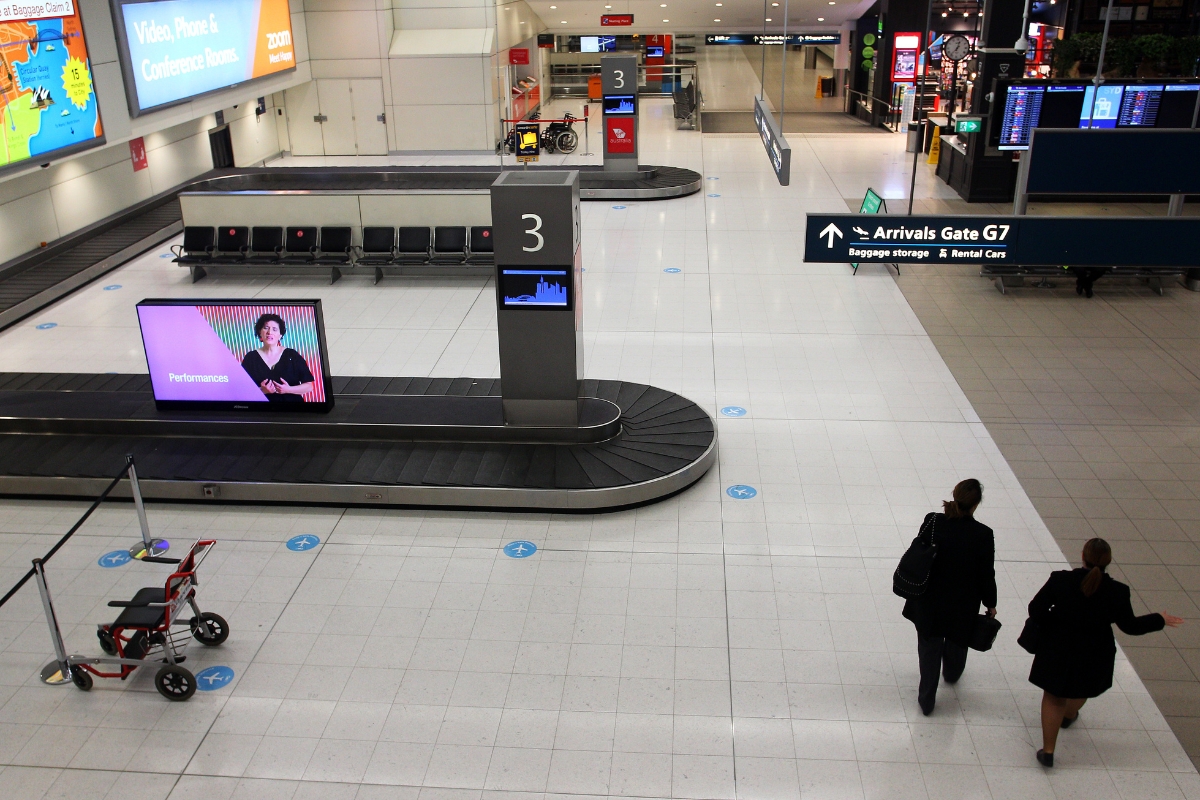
x=911, y=578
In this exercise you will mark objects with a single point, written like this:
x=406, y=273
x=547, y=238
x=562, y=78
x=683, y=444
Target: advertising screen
x=654, y=52
x=236, y=354
x=49, y=106
x=533, y=288
x=174, y=50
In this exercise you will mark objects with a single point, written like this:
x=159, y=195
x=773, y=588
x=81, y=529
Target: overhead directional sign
x=778, y=150
x=1026, y=241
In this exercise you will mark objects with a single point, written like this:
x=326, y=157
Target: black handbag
x=911, y=578
x=984, y=635
x=1031, y=635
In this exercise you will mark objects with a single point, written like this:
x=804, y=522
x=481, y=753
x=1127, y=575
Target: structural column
x=535, y=225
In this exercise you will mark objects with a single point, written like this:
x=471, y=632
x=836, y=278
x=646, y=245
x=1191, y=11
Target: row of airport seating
x=332, y=247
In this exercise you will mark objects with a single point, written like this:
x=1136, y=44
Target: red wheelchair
x=146, y=631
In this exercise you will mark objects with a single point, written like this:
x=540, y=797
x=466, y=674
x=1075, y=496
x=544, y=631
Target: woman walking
x=963, y=577
x=1075, y=649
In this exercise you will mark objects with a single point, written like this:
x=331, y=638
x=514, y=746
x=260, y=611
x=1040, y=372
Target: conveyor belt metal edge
x=47, y=296
x=465, y=497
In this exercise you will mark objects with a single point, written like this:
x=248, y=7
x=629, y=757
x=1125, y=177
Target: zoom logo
x=280, y=39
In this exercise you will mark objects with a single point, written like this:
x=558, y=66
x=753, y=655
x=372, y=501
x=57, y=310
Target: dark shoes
x=926, y=705
x=1045, y=759
x=1069, y=721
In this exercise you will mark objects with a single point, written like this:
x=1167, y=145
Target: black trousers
x=938, y=655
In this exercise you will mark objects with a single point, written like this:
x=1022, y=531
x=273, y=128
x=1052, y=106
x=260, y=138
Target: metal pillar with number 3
x=535, y=229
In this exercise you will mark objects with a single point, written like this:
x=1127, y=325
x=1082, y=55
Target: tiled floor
x=1096, y=405
x=702, y=647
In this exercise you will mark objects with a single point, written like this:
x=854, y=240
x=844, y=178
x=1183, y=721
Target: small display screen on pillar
x=535, y=288
x=236, y=355
x=619, y=104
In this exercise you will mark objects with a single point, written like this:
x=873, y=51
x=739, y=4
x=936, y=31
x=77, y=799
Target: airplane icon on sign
x=215, y=677
x=520, y=548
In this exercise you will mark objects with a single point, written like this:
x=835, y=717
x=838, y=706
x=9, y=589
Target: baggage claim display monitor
x=535, y=288
x=236, y=354
x=1041, y=104
x=172, y=51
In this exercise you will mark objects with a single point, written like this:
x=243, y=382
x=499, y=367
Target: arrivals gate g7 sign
x=1025, y=241
x=174, y=50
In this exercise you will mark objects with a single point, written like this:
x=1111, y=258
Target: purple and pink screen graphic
x=195, y=352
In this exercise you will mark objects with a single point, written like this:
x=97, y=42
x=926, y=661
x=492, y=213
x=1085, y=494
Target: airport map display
x=48, y=102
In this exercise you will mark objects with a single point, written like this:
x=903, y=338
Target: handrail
x=66, y=536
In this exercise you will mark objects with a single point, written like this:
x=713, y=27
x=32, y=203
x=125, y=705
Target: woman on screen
x=281, y=372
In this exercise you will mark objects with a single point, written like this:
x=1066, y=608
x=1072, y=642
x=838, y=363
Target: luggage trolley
x=143, y=632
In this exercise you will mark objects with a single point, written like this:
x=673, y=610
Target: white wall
x=442, y=97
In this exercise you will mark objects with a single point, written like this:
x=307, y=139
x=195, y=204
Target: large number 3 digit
x=537, y=226
x=619, y=77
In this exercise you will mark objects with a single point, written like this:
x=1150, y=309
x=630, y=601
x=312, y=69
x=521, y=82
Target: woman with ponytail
x=1074, y=613
x=963, y=578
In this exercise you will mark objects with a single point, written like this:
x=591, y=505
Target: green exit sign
x=968, y=124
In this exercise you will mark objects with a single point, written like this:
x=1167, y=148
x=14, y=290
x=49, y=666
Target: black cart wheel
x=210, y=629
x=568, y=141
x=175, y=683
x=106, y=642
x=81, y=678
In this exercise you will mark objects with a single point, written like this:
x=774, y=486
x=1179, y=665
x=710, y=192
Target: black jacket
x=291, y=368
x=1076, y=648
x=963, y=577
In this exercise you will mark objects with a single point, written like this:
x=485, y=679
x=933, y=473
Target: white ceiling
x=697, y=16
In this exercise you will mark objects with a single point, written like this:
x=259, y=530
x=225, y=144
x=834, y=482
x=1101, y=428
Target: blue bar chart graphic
x=531, y=287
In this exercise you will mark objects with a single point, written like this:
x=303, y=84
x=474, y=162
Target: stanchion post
x=57, y=672
x=149, y=546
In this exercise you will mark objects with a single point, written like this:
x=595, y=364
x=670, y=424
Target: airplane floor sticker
x=116, y=558
x=213, y=678
x=740, y=491
x=520, y=549
x=298, y=544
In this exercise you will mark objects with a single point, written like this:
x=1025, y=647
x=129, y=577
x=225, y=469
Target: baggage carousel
x=35, y=280
x=431, y=442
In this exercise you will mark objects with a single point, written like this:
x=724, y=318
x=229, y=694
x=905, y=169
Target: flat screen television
x=48, y=105
x=619, y=104
x=174, y=50
x=253, y=355
x=654, y=52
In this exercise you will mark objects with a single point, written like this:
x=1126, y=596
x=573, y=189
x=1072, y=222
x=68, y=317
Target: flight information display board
x=49, y=105
x=174, y=50
x=1128, y=104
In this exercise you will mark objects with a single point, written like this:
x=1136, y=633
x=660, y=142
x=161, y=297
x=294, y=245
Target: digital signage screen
x=619, y=104
x=535, y=288
x=236, y=354
x=174, y=50
x=47, y=101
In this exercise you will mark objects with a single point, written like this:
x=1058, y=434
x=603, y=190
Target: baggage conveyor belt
x=34, y=280
x=665, y=443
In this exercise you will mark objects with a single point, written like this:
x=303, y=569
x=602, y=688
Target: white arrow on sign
x=831, y=231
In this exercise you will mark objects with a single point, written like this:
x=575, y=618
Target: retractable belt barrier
x=133, y=641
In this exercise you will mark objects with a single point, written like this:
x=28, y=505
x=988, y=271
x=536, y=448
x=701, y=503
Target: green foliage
x=1124, y=54
x=1187, y=51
